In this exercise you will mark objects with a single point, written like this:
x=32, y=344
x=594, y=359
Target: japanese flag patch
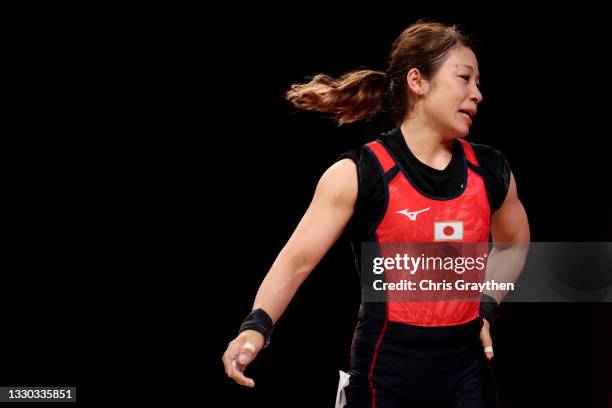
x=448, y=231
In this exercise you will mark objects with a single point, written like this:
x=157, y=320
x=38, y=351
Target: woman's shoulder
x=488, y=154
x=368, y=175
x=361, y=154
x=366, y=168
x=358, y=154
x=492, y=160
x=354, y=153
x=496, y=170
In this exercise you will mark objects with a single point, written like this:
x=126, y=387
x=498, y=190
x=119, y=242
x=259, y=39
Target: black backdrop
x=545, y=102
x=134, y=130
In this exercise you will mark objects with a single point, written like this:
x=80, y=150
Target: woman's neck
x=426, y=144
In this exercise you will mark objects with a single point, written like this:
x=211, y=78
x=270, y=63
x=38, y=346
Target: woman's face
x=454, y=89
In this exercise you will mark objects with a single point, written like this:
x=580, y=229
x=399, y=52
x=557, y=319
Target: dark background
x=545, y=107
x=153, y=172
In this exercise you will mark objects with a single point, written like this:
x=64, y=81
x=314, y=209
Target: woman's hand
x=239, y=353
x=485, y=338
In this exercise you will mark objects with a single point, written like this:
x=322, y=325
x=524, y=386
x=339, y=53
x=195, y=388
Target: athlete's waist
x=417, y=336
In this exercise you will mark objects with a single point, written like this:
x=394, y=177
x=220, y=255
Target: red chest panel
x=411, y=216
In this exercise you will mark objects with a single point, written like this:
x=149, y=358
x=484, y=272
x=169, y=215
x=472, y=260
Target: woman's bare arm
x=322, y=224
x=511, y=236
x=510, y=233
x=326, y=217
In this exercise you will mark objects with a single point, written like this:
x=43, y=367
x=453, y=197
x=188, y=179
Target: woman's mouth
x=466, y=116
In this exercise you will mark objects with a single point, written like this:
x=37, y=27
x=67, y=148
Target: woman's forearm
x=505, y=264
x=322, y=224
x=280, y=284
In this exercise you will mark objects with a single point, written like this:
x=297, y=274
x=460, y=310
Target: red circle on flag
x=448, y=230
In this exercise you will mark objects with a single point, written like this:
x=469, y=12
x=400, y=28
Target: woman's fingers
x=238, y=374
x=247, y=353
x=486, y=340
x=240, y=352
x=233, y=348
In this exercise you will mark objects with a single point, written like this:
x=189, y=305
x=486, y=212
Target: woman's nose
x=477, y=96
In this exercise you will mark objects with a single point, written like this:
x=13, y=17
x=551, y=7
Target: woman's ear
x=417, y=84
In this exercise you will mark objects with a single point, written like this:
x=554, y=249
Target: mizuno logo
x=412, y=215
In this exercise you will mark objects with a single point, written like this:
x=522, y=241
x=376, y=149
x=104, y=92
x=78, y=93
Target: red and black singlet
x=412, y=216
x=411, y=353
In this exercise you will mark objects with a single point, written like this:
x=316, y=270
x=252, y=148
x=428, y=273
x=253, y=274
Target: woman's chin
x=462, y=131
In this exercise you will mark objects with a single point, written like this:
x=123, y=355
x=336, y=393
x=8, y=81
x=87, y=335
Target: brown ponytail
x=361, y=94
x=354, y=96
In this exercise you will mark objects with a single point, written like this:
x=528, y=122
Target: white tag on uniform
x=340, y=396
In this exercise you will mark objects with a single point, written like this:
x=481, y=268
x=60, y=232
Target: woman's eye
x=466, y=77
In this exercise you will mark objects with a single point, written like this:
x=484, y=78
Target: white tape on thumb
x=250, y=346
